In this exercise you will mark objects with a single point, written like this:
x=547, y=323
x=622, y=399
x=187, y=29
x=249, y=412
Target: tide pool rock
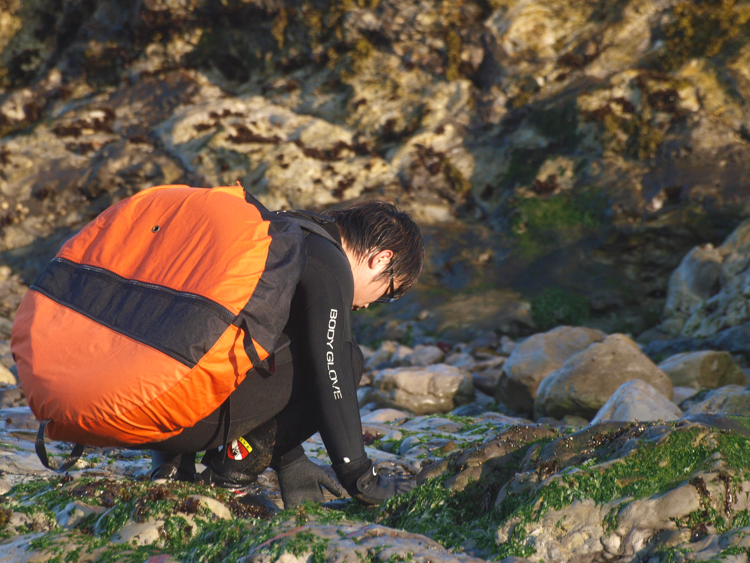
x=680, y=394
x=385, y=415
x=461, y=360
x=636, y=400
x=75, y=512
x=716, y=298
x=535, y=359
x=400, y=354
x=703, y=370
x=432, y=389
x=382, y=355
x=697, y=278
x=218, y=510
x=626, y=522
x=138, y=533
x=424, y=356
x=571, y=534
x=587, y=380
x=7, y=377
x=11, y=396
x=733, y=399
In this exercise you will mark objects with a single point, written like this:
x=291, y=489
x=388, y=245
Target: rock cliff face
x=585, y=144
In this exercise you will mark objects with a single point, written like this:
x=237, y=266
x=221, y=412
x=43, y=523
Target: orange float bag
x=140, y=326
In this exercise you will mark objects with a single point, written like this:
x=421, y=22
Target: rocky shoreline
x=499, y=479
x=569, y=380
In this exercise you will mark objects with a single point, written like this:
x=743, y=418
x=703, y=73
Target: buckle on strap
x=41, y=451
x=265, y=368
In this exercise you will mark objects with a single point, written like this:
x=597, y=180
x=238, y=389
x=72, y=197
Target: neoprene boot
x=242, y=460
x=172, y=467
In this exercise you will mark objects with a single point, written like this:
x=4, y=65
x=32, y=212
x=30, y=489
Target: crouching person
x=184, y=320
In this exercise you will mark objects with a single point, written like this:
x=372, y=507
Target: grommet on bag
x=156, y=229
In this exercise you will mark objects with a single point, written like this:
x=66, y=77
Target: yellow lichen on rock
x=26, y=40
x=739, y=67
x=717, y=102
x=534, y=27
x=10, y=23
x=702, y=29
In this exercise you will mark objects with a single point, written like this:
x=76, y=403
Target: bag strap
x=267, y=368
x=311, y=222
x=41, y=451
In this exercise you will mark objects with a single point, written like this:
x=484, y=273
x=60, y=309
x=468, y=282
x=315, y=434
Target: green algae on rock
x=612, y=466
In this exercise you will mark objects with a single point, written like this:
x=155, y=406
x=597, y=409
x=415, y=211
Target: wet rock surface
x=644, y=479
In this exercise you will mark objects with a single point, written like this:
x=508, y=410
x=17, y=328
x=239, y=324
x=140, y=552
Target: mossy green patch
x=213, y=540
x=743, y=421
x=672, y=554
x=541, y=223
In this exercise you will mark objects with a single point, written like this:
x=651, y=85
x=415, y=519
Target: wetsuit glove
x=301, y=480
x=369, y=487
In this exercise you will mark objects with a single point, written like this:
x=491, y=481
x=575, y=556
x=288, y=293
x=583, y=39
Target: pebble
x=138, y=533
x=461, y=360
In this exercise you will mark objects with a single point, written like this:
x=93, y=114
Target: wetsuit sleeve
x=325, y=351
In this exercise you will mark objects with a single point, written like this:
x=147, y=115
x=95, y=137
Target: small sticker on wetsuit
x=239, y=449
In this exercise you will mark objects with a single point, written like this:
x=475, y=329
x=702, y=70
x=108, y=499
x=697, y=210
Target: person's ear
x=380, y=260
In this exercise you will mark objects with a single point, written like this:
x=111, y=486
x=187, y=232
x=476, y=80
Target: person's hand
x=373, y=488
x=301, y=480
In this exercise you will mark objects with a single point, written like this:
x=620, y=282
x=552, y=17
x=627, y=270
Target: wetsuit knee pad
x=246, y=457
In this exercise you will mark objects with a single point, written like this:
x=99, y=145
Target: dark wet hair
x=372, y=226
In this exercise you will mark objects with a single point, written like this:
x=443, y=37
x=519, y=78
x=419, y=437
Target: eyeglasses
x=390, y=295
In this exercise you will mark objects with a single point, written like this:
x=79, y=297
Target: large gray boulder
x=424, y=356
x=438, y=388
x=703, y=370
x=536, y=358
x=382, y=355
x=698, y=277
x=587, y=380
x=636, y=400
x=732, y=399
x=708, y=291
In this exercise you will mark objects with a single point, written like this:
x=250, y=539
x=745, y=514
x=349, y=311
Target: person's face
x=369, y=285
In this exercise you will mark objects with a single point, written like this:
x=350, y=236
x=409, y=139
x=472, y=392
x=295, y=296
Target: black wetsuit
x=314, y=386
